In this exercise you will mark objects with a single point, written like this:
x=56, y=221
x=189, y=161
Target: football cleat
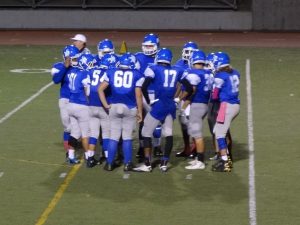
x=91, y=162
x=192, y=161
x=221, y=166
x=109, y=167
x=192, y=155
x=128, y=167
x=163, y=166
x=215, y=157
x=182, y=154
x=230, y=163
x=143, y=167
x=73, y=161
x=196, y=165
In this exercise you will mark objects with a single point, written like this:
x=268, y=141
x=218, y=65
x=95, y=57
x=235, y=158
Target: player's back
x=203, y=81
x=122, y=83
x=230, y=88
x=184, y=64
x=77, y=91
x=95, y=76
x=165, y=80
x=144, y=61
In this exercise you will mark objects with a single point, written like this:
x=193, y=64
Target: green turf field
x=32, y=158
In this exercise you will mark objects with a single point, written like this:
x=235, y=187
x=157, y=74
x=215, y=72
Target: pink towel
x=222, y=113
x=215, y=94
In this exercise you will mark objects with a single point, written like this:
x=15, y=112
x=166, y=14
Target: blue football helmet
x=127, y=61
x=105, y=46
x=198, y=56
x=86, y=61
x=73, y=53
x=223, y=60
x=211, y=61
x=150, y=44
x=108, y=61
x=164, y=55
x=188, y=49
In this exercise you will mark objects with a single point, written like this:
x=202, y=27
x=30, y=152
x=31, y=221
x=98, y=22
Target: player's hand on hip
x=139, y=117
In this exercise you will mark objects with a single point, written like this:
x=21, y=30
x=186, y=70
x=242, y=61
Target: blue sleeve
x=58, y=71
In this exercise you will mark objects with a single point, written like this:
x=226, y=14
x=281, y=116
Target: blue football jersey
x=78, y=79
x=58, y=73
x=203, y=80
x=164, y=79
x=228, y=85
x=95, y=77
x=184, y=64
x=122, y=83
x=144, y=60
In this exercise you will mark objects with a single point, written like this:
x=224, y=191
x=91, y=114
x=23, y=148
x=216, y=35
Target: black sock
x=200, y=157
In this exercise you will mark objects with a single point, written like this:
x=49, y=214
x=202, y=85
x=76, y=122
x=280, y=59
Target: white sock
x=71, y=153
x=91, y=153
x=106, y=154
x=224, y=157
x=86, y=155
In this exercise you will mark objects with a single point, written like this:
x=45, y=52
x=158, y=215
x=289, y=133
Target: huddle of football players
x=104, y=96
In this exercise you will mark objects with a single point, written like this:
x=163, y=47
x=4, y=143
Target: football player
x=226, y=90
x=104, y=47
x=145, y=58
x=125, y=107
x=58, y=72
x=99, y=117
x=213, y=108
x=187, y=52
x=165, y=80
x=79, y=85
x=202, y=81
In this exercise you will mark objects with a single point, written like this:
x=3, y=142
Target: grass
x=32, y=158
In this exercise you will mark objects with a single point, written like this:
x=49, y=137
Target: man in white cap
x=79, y=40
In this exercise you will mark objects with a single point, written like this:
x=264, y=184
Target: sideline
x=25, y=102
x=252, y=193
x=43, y=218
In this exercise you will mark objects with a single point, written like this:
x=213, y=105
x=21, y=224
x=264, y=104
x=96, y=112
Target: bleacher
x=123, y=4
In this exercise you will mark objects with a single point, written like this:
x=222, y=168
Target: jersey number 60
x=123, y=79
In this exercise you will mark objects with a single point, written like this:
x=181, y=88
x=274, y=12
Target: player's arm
x=139, y=98
x=58, y=72
x=139, y=102
x=149, y=75
x=86, y=82
x=101, y=90
x=218, y=83
x=189, y=89
x=190, y=83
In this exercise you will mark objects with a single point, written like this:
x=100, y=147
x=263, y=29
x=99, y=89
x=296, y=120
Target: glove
x=176, y=100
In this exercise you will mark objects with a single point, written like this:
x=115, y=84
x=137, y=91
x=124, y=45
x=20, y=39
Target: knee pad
x=222, y=143
x=157, y=132
x=73, y=142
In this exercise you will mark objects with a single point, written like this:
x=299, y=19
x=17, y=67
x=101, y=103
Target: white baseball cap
x=79, y=37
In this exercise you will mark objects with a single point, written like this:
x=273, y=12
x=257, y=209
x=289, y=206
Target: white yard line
x=252, y=195
x=8, y=115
